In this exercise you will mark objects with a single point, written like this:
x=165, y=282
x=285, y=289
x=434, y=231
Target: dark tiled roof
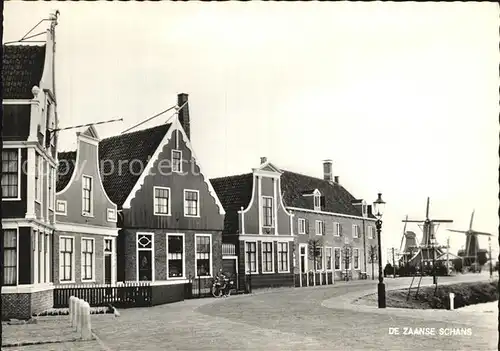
x=139, y=145
x=233, y=192
x=22, y=69
x=65, y=168
x=337, y=199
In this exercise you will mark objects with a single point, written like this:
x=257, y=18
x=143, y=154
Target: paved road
x=290, y=319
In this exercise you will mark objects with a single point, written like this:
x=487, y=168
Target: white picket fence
x=79, y=315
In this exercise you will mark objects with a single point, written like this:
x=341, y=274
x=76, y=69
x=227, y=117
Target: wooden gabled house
x=257, y=226
x=86, y=230
x=169, y=216
x=286, y=228
x=29, y=160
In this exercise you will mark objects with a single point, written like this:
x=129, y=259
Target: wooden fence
x=124, y=295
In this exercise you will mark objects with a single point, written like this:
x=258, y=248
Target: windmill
x=410, y=245
x=428, y=249
x=470, y=253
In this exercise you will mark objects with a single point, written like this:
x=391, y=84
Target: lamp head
x=378, y=207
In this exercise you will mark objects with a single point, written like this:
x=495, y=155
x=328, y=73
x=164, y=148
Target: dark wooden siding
x=141, y=213
x=17, y=209
x=25, y=255
x=252, y=215
x=129, y=241
x=16, y=122
x=87, y=165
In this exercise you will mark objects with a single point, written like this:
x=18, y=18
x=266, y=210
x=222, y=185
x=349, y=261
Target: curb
x=43, y=342
x=347, y=302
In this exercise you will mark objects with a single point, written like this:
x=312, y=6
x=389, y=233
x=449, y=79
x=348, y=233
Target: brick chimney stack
x=327, y=170
x=337, y=179
x=182, y=99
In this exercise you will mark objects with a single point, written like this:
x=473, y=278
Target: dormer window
x=364, y=209
x=317, y=200
x=177, y=161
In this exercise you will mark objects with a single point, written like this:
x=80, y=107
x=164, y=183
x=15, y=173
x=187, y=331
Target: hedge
x=465, y=294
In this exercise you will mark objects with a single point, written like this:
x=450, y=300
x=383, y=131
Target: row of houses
x=137, y=207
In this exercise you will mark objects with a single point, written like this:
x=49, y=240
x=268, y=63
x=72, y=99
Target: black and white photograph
x=259, y=175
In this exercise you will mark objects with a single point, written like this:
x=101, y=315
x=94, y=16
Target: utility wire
x=149, y=119
x=26, y=35
x=85, y=125
x=177, y=109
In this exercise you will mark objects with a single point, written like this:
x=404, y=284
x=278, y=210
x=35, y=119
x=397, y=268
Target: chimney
x=337, y=179
x=327, y=170
x=263, y=160
x=184, y=113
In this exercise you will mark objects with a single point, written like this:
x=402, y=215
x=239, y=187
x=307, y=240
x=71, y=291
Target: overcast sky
x=403, y=97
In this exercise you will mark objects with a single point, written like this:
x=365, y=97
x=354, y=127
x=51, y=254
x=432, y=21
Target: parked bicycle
x=222, y=286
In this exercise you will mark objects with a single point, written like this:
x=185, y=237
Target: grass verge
x=428, y=298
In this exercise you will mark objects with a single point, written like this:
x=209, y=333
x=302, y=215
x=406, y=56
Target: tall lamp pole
x=378, y=207
x=433, y=246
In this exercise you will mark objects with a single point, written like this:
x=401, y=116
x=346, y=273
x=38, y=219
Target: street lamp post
x=433, y=247
x=378, y=209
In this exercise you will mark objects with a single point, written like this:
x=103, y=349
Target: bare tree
x=372, y=258
x=347, y=257
x=315, y=247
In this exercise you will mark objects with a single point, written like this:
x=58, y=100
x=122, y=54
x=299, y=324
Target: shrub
x=465, y=294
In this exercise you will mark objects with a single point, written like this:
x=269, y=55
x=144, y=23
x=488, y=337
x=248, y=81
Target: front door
x=303, y=258
x=229, y=266
x=108, y=252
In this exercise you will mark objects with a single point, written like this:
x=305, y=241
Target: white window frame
x=172, y=161
x=19, y=165
x=262, y=256
x=287, y=256
x=319, y=224
x=349, y=267
x=332, y=259
x=357, y=261
x=272, y=212
x=111, y=215
x=196, y=256
x=336, y=229
x=41, y=256
x=197, y=203
x=91, y=196
x=317, y=196
x=340, y=259
x=61, y=274
x=49, y=119
x=38, y=178
x=322, y=253
x=113, y=259
x=92, y=279
x=17, y=257
x=62, y=202
x=51, y=188
x=47, y=255
x=355, y=231
x=303, y=222
x=370, y=232
x=247, y=263
x=169, y=207
x=183, y=256
x=152, y=249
